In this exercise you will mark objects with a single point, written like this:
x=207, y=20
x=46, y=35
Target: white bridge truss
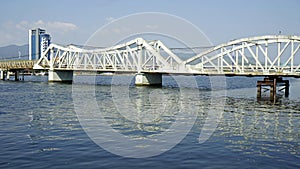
x=136, y=55
x=257, y=56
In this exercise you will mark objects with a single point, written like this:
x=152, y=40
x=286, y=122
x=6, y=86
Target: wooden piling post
x=273, y=89
x=272, y=82
x=287, y=88
x=258, y=90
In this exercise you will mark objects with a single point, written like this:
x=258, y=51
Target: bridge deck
x=272, y=55
x=17, y=64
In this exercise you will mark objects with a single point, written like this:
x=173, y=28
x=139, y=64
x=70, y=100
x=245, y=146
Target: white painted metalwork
x=136, y=55
x=257, y=56
x=264, y=55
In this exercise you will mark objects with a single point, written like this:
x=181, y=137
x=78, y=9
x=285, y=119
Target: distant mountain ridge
x=14, y=51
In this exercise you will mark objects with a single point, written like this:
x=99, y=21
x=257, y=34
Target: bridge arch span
x=260, y=55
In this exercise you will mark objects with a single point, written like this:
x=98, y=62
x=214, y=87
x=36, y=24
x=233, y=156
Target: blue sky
x=70, y=21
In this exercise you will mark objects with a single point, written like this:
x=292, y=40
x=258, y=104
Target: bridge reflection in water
x=259, y=128
x=246, y=127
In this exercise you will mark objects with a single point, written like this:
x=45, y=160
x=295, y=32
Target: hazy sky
x=74, y=21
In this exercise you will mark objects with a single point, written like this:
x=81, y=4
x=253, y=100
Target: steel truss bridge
x=272, y=55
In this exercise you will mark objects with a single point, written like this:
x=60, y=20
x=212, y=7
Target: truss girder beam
x=136, y=55
x=263, y=55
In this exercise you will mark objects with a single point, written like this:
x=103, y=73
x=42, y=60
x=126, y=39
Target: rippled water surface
x=40, y=128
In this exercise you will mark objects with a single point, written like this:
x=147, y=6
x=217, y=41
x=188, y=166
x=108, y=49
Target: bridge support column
x=2, y=75
x=22, y=77
x=16, y=75
x=287, y=88
x=273, y=82
x=258, y=90
x=148, y=79
x=60, y=76
x=7, y=75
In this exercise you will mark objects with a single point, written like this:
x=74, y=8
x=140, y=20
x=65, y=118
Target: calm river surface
x=40, y=128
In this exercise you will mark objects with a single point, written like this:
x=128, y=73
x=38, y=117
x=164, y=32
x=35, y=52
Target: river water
x=41, y=124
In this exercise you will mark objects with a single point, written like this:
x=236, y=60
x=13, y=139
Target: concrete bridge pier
x=148, y=79
x=2, y=77
x=6, y=75
x=17, y=75
x=60, y=76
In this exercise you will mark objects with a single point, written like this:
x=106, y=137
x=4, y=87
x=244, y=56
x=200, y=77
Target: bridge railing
x=17, y=64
